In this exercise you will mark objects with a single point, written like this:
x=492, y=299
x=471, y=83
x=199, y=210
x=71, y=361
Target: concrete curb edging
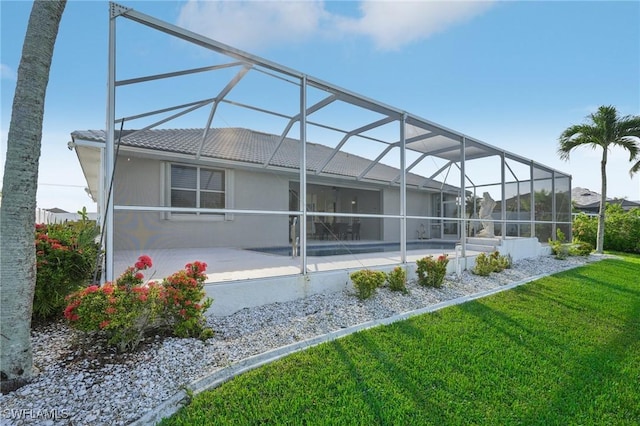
x=219, y=377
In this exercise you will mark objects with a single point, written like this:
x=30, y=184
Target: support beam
x=463, y=203
x=130, y=118
x=374, y=162
x=313, y=108
x=223, y=94
x=303, y=176
x=533, y=199
x=346, y=137
x=503, y=205
x=176, y=74
x=403, y=193
x=109, y=153
x=415, y=163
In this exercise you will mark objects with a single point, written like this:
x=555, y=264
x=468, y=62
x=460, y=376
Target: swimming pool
x=350, y=248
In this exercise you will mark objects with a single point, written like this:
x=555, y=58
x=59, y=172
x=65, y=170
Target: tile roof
x=249, y=146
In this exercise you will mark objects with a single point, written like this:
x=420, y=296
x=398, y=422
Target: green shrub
x=621, y=232
x=585, y=228
x=366, y=282
x=504, y=262
x=397, y=279
x=483, y=266
x=494, y=262
x=65, y=260
x=431, y=272
x=558, y=247
x=580, y=248
x=129, y=309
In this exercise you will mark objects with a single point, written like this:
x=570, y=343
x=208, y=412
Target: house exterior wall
x=419, y=203
x=141, y=182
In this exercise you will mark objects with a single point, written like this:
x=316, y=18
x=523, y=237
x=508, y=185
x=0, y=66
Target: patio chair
x=354, y=230
x=340, y=230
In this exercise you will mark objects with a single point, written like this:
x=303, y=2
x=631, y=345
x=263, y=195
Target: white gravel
x=79, y=385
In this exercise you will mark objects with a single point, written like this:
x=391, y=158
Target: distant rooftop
x=589, y=201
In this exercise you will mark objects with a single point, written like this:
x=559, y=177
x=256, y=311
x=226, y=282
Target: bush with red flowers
x=66, y=256
x=130, y=309
x=431, y=272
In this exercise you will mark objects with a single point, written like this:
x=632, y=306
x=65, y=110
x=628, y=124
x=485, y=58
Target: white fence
x=46, y=216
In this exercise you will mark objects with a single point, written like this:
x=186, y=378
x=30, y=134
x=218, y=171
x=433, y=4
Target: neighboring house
x=587, y=201
x=169, y=168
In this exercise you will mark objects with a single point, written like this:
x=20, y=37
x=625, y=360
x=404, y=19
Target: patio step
x=487, y=245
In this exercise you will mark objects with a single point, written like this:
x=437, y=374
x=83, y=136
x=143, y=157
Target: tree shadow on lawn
x=592, y=382
x=507, y=360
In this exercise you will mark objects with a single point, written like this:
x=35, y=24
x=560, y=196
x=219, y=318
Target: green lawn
x=562, y=350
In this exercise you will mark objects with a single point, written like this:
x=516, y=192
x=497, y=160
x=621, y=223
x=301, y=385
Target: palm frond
x=578, y=135
x=605, y=129
x=635, y=169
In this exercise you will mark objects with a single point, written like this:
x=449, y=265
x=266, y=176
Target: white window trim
x=190, y=217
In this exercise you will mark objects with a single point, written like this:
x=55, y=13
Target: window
x=197, y=187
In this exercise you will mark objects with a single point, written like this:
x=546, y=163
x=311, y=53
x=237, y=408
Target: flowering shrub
x=431, y=271
x=129, y=309
x=65, y=261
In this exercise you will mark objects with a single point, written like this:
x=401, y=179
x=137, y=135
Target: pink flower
x=69, y=312
x=143, y=262
x=91, y=289
x=139, y=276
x=104, y=324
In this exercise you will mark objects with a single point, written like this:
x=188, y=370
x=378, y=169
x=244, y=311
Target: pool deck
x=232, y=264
x=239, y=279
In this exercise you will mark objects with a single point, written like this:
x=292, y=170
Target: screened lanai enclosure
x=214, y=154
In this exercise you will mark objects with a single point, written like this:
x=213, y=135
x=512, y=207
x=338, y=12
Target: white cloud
x=6, y=72
x=255, y=24
x=394, y=24
x=390, y=24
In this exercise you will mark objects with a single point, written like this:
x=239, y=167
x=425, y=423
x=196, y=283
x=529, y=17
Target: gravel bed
x=81, y=385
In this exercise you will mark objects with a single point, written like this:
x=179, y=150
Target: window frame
x=197, y=216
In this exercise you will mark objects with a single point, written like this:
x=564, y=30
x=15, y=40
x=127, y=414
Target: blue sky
x=513, y=74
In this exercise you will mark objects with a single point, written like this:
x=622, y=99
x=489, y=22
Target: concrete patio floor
x=233, y=264
x=239, y=278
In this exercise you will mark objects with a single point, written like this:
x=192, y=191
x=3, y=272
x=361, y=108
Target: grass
x=562, y=350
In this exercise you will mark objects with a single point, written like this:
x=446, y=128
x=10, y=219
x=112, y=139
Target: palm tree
x=605, y=130
x=635, y=169
x=17, y=212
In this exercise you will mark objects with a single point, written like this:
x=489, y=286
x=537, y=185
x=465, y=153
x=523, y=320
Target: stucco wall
x=140, y=182
x=418, y=204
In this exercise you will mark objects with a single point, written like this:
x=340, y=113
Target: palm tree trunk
x=603, y=202
x=17, y=212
